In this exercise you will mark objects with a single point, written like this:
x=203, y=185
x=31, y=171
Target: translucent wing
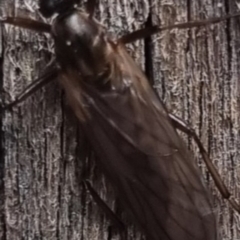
x=143, y=156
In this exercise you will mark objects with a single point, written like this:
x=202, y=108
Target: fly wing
x=147, y=162
x=151, y=169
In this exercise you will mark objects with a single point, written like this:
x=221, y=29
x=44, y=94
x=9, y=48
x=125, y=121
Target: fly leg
x=26, y=23
x=47, y=77
x=179, y=124
x=148, y=31
x=113, y=217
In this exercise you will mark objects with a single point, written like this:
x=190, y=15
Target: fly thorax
x=79, y=42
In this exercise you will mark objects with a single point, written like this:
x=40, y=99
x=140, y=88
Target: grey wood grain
x=42, y=162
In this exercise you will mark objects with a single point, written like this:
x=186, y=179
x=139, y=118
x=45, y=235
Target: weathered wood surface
x=196, y=73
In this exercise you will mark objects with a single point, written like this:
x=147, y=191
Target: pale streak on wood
x=196, y=73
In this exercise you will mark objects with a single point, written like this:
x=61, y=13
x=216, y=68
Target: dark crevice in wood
x=189, y=114
x=2, y=153
x=62, y=165
x=148, y=50
x=109, y=237
x=189, y=3
x=229, y=75
x=83, y=209
x=200, y=103
x=230, y=57
x=209, y=119
x=83, y=154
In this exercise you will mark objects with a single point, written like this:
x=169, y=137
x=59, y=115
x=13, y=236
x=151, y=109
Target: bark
x=43, y=153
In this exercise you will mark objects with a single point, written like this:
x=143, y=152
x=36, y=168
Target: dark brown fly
x=128, y=127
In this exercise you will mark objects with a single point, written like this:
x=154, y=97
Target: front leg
x=27, y=23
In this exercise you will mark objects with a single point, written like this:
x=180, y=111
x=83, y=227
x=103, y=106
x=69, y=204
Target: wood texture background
x=42, y=162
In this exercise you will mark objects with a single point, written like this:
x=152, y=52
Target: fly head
x=49, y=7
